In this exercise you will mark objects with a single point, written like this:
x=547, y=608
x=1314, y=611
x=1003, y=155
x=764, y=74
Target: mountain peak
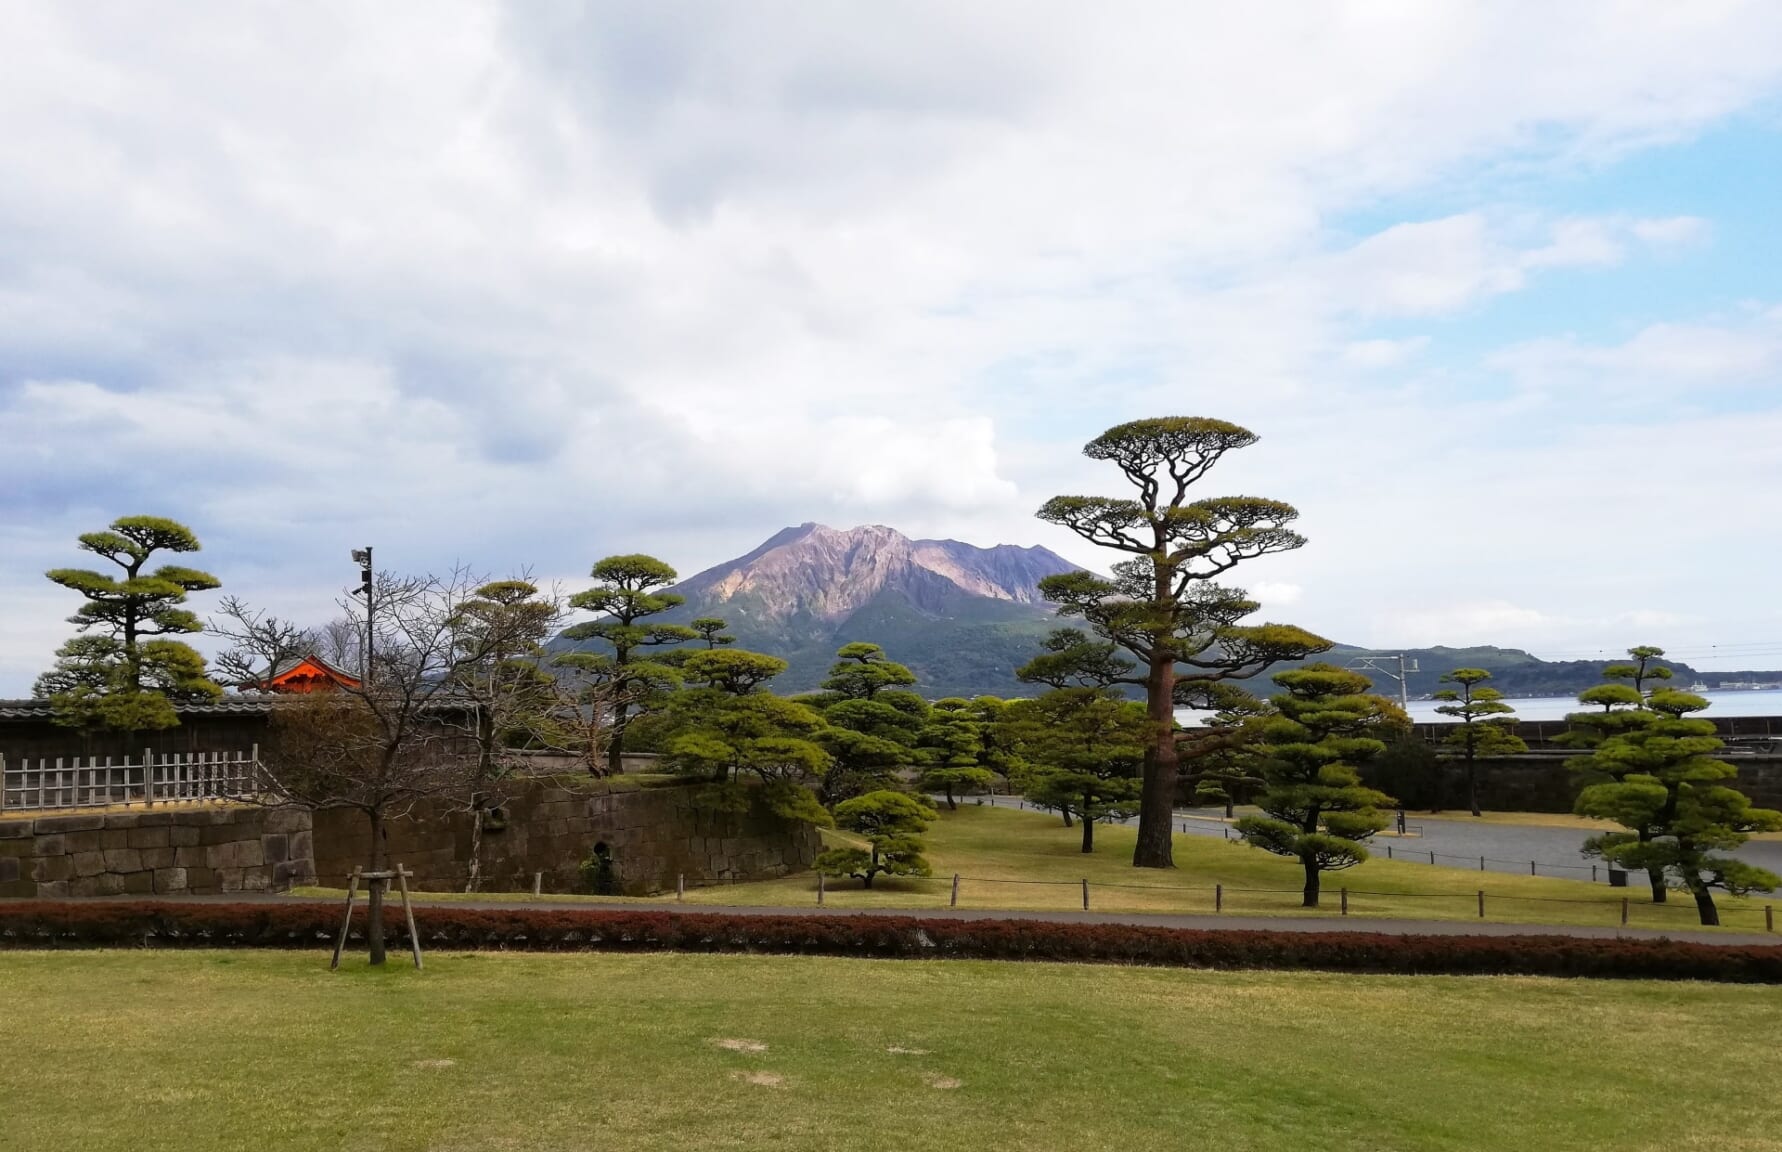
x=819, y=573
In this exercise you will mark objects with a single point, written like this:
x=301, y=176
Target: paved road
x=1508, y=848
x=1204, y=923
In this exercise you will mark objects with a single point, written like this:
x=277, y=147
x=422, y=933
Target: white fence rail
x=97, y=782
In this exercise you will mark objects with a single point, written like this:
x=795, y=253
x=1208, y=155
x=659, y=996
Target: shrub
x=45, y=924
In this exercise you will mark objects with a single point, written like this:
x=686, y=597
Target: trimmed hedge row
x=42, y=924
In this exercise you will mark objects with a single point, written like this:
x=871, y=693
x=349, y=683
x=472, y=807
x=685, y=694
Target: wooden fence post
x=148, y=777
x=1388, y=851
x=1085, y=894
x=680, y=886
x=1481, y=903
x=953, y=901
x=1624, y=911
x=3, y=781
x=1345, y=893
x=1531, y=869
x=1769, y=917
x=1481, y=863
x=1218, y=897
x=819, y=889
x=538, y=883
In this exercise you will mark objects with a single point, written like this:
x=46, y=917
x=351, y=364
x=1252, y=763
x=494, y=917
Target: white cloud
x=525, y=285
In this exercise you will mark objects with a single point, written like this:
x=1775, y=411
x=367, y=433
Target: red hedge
x=43, y=924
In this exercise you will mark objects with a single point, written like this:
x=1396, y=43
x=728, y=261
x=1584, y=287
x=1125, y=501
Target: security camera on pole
x=362, y=557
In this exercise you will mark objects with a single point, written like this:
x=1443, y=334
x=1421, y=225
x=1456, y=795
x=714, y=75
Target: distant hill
x=962, y=617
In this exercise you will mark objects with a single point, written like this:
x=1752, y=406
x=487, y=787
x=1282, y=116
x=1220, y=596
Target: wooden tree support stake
x=1085, y=894
x=953, y=901
x=414, y=938
x=1345, y=895
x=346, y=924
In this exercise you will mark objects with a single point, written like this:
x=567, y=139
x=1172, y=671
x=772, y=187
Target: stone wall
x=184, y=850
x=1538, y=783
x=652, y=834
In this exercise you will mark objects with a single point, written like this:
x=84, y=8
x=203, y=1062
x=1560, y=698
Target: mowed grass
x=1004, y=852
x=1030, y=861
x=197, y=1051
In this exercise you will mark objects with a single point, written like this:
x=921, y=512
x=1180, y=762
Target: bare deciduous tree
x=259, y=643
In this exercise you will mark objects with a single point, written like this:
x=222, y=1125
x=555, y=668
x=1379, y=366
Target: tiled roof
x=239, y=704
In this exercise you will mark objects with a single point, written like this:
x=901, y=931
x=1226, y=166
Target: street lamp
x=362, y=557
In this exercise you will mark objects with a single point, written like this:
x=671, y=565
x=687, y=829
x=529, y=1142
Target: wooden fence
x=99, y=782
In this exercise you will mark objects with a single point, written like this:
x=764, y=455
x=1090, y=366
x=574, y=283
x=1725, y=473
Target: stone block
x=288, y=819
x=242, y=854
x=182, y=834
x=45, y=869
x=16, y=829
x=123, y=860
x=139, y=883
x=114, y=838
x=170, y=880
x=303, y=846
x=22, y=889
x=255, y=880
x=85, y=841
x=103, y=884
x=275, y=847
x=191, y=856
x=201, y=880
x=89, y=863
x=123, y=820
x=154, y=819
x=55, y=890
x=9, y=870
x=229, y=879
x=209, y=834
x=79, y=823
x=17, y=848
x=149, y=837
x=157, y=857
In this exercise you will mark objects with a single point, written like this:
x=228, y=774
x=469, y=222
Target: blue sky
x=520, y=286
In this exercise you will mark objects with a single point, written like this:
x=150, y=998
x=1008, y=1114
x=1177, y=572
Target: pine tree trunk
x=1157, y=800
x=615, y=744
x=1472, y=784
x=1310, y=899
x=374, y=911
x=1704, y=905
x=1229, y=813
x=951, y=806
x=476, y=850
x=1065, y=812
x=1088, y=834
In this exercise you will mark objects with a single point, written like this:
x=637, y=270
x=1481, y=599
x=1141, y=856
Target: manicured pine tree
x=1161, y=606
x=1667, y=789
x=1485, y=721
x=1613, y=709
x=861, y=671
x=728, y=729
x=627, y=594
x=123, y=674
x=956, y=750
x=1082, y=750
x=711, y=630
x=1317, y=811
x=892, y=823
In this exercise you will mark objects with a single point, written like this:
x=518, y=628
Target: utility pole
x=1383, y=664
x=362, y=557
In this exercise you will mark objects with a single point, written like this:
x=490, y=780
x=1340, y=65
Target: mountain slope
x=962, y=617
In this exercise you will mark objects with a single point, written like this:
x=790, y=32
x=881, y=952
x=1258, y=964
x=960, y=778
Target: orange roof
x=307, y=674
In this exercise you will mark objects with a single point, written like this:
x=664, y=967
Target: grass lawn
x=998, y=847
x=139, y=1051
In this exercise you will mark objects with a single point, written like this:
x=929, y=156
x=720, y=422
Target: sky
x=1499, y=286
